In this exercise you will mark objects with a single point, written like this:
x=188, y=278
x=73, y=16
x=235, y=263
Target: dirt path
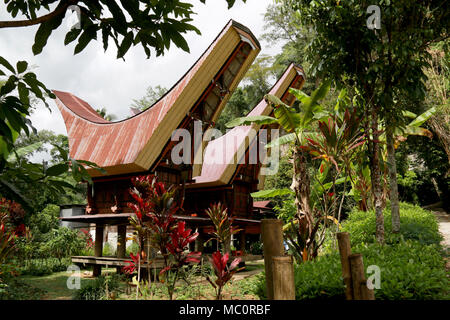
x=443, y=219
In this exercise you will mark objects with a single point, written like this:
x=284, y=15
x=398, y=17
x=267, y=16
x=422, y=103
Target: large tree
x=384, y=67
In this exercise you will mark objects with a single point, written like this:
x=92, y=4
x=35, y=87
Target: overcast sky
x=106, y=82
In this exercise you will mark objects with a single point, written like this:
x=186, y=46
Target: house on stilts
x=143, y=145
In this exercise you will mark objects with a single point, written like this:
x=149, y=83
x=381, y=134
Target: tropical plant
x=384, y=66
x=223, y=272
x=295, y=124
x=222, y=225
x=179, y=257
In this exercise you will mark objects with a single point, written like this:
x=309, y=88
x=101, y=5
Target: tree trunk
x=395, y=211
x=375, y=177
x=301, y=188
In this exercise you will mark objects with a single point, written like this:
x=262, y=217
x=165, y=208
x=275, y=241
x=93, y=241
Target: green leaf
x=89, y=34
x=40, y=39
x=125, y=45
x=72, y=35
x=57, y=169
x=22, y=66
x=421, y=119
x=246, y=121
x=13, y=193
x=287, y=138
x=270, y=193
x=6, y=64
x=24, y=151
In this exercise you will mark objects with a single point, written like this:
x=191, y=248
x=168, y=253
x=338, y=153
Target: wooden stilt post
x=200, y=242
x=345, y=251
x=283, y=278
x=121, y=240
x=272, y=237
x=360, y=290
x=98, y=249
x=242, y=241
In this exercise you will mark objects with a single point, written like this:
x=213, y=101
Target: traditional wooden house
x=233, y=164
x=142, y=144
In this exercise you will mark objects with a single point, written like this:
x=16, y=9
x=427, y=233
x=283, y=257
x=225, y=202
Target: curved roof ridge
x=215, y=172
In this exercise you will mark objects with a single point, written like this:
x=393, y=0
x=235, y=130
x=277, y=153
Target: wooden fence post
x=283, y=278
x=345, y=251
x=272, y=237
x=360, y=290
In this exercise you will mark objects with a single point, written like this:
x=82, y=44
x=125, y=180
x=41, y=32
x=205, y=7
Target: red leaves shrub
x=223, y=272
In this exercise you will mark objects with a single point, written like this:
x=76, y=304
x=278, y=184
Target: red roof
x=262, y=204
x=134, y=144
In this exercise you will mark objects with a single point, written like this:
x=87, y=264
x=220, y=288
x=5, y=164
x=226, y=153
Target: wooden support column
x=360, y=290
x=98, y=249
x=121, y=240
x=272, y=237
x=283, y=278
x=242, y=242
x=200, y=241
x=345, y=251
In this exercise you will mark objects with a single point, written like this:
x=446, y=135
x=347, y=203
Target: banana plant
x=295, y=124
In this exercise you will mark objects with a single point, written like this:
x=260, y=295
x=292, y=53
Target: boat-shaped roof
x=135, y=144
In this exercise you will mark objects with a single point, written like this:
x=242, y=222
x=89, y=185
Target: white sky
x=106, y=82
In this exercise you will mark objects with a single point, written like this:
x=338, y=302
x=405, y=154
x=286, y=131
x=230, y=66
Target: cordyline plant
x=222, y=224
x=223, y=272
x=336, y=144
x=11, y=227
x=154, y=208
x=179, y=257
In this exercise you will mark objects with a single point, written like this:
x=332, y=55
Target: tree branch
x=60, y=9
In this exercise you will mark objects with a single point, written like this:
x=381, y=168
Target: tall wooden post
x=98, y=249
x=360, y=290
x=345, y=251
x=242, y=242
x=283, y=278
x=200, y=241
x=272, y=237
x=121, y=240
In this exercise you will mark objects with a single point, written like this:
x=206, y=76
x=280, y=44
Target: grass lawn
x=55, y=286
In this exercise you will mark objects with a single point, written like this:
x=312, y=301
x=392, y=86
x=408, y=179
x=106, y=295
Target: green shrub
x=42, y=267
x=409, y=270
x=415, y=224
x=12, y=288
x=108, y=250
x=96, y=290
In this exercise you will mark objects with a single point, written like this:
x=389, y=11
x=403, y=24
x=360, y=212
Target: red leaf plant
x=180, y=238
x=131, y=267
x=11, y=227
x=223, y=272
